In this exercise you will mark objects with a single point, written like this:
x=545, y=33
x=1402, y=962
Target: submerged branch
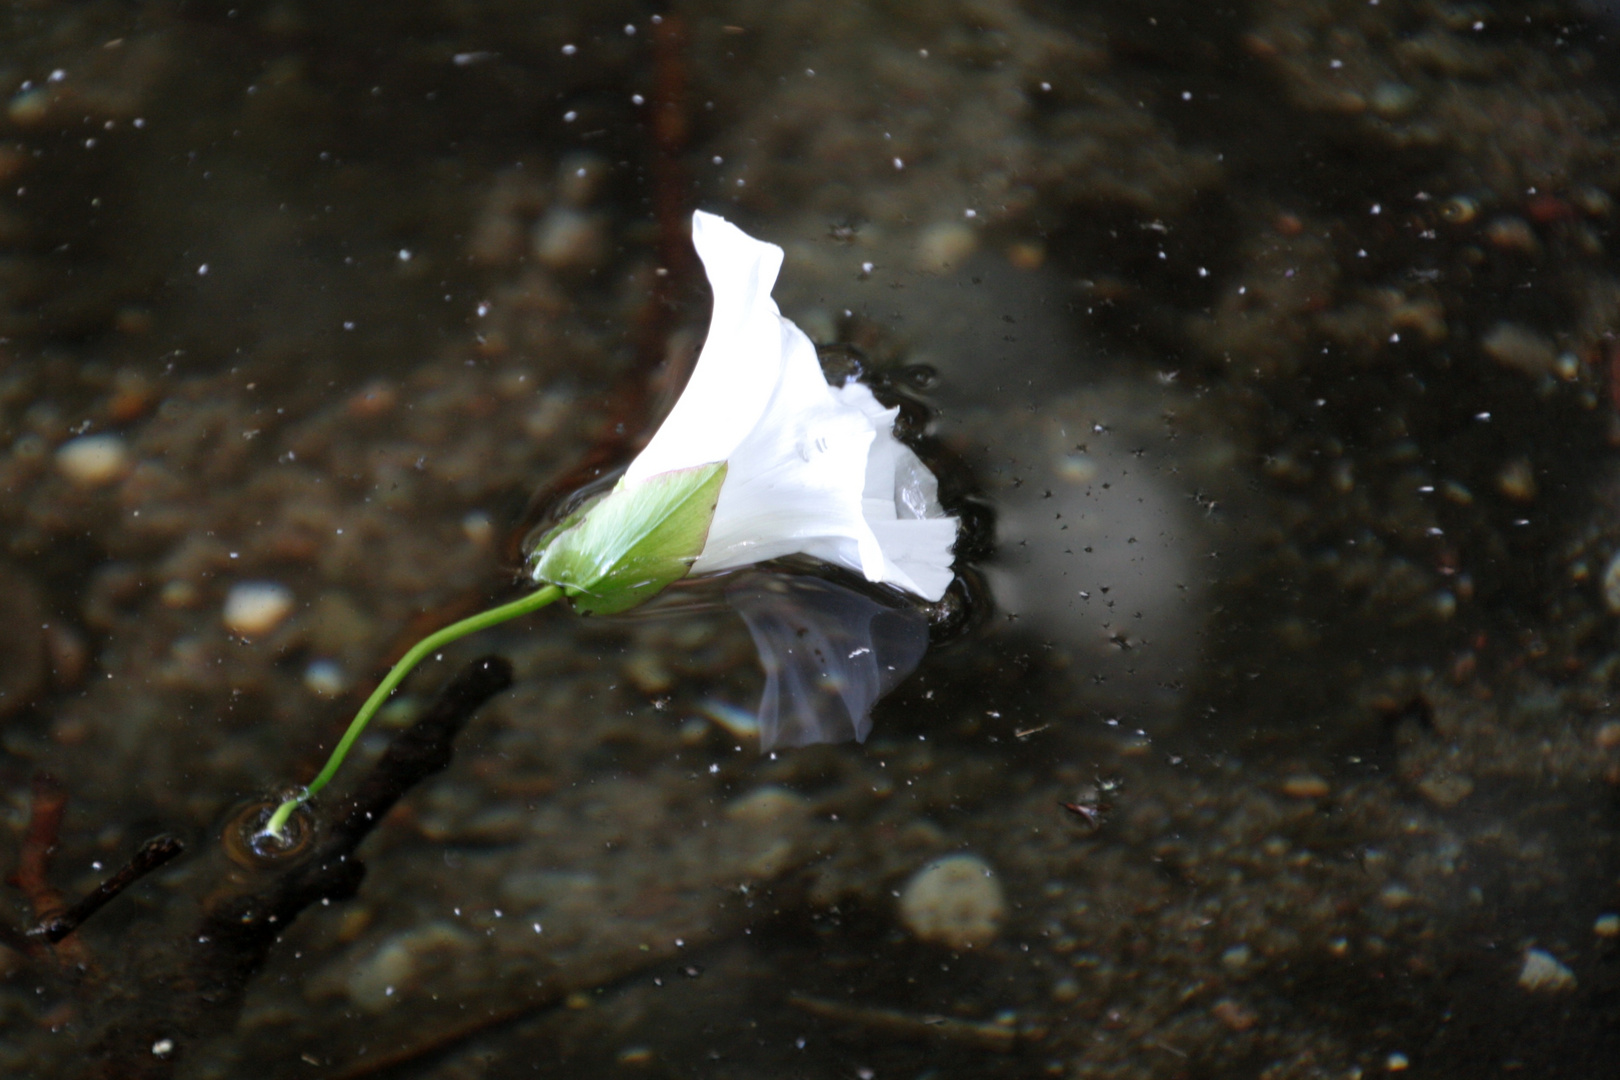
x=175, y=993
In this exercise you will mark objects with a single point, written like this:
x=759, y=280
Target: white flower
x=810, y=469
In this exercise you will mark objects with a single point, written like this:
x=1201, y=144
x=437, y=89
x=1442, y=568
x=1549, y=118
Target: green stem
x=436, y=640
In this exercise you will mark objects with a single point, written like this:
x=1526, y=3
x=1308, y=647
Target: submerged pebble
x=325, y=678
x=566, y=239
x=954, y=901
x=256, y=607
x=944, y=247
x=1543, y=974
x=392, y=971
x=93, y=460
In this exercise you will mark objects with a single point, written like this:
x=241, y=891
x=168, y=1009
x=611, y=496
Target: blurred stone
x=93, y=460
x=1543, y=974
x=256, y=607
x=955, y=901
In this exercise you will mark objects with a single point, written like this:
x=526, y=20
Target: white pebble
x=566, y=239
x=1611, y=584
x=1543, y=974
x=256, y=607
x=955, y=901
x=325, y=678
x=93, y=460
x=945, y=246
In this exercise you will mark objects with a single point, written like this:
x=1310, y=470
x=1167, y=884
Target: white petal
x=741, y=363
x=795, y=483
x=811, y=469
x=918, y=554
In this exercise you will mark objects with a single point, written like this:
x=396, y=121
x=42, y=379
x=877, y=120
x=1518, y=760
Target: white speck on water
x=570, y=116
x=570, y=50
x=404, y=255
x=899, y=164
x=163, y=1048
x=202, y=271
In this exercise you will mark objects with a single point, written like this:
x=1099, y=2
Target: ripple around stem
x=254, y=837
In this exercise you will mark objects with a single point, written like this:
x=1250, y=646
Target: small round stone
x=1306, y=786
x=566, y=239
x=1543, y=974
x=256, y=607
x=93, y=460
x=325, y=678
x=955, y=901
x=1611, y=584
x=945, y=247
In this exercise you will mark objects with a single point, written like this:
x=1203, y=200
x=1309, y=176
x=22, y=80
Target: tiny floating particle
x=256, y=607
x=955, y=901
x=1543, y=974
x=1607, y=925
x=93, y=460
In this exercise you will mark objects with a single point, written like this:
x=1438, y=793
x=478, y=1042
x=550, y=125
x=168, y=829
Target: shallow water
x=1280, y=339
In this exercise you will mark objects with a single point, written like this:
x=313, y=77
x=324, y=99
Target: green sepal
x=635, y=542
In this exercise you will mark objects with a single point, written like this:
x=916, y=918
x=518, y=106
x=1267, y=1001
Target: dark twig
x=46, y=809
x=152, y=854
x=33, y=875
x=644, y=391
x=193, y=987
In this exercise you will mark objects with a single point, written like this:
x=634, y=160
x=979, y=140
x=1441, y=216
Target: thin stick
x=152, y=854
x=33, y=877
